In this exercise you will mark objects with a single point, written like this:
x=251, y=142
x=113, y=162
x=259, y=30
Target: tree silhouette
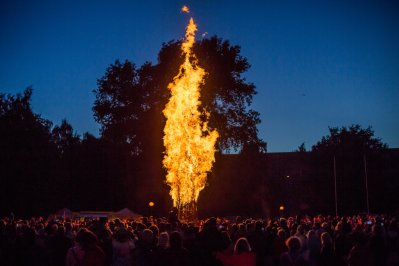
x=64, y=137
x=348, y=146
x=130, y=100
x=353, y=139
x=301, y=148
x=27, y=157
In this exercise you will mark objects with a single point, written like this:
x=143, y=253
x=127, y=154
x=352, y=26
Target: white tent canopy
x=127, y=213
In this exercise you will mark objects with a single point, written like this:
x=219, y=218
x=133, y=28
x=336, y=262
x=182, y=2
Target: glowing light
x=185, y=9
x=281, y=208
x=189, y=144
x=151, y=204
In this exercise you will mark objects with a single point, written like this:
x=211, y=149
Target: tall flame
x=190, y=146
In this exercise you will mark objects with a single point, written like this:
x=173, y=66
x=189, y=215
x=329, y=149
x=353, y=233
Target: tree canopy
x=46, y=167
x=130, y=100
x=346, y=151
x=349, y=139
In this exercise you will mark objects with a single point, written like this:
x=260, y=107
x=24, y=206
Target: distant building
x=301, y=182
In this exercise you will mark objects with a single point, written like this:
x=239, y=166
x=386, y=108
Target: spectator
x=293, y=256
x=242, y=255
x=86, y=251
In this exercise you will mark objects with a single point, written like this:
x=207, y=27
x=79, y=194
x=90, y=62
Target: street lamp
x=151, y=204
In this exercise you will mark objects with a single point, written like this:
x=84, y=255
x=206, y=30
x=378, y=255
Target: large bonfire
x=189, y=144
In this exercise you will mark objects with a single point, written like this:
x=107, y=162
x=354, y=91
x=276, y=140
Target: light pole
x=367, y=183
x=281, y=209
x=151, y=204
x=335, y=189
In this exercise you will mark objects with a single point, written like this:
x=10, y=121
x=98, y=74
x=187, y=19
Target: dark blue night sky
x=315, y=63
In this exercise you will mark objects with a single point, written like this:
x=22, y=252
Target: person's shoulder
x=285, y=255
x=98, y=250
x=250, y=254
x=245, y=258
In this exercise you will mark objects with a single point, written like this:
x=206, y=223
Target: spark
x=185, y=9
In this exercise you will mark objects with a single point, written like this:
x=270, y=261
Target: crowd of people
x=303, y=240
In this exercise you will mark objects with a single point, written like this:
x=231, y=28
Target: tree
x=27, y=158
x=301, y=148
x=353, y=139
x=64, y=137
x=129, y=100
x=345, y=151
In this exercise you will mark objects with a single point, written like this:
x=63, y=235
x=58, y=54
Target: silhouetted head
x=163, y=240
x=147, y=235
x=61, y=231
x=154, y=229
x=103, y=220
x=242, y=245
x=283, y=222
x=378, y=229
x=311, y=235
x=122, y=235
x=259, y=225
x=281, y=234
x=226, y=240
x=326, y=239
x=86, y=238
x=175, y=240
x=68, y=227
x=53, y=229
x=293, y=244
x=212, y=222
x=250, y=227
x=300, y=229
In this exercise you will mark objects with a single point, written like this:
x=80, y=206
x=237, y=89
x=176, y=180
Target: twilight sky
x=315, y=63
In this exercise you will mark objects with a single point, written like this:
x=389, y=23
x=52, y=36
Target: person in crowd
x=312, y=242
x=176, y=254
x=256, y=239
x=242, y=255
x=300, y=233
x=86, y=251
x=293, y=257
x=60, y=244
x=143, y=254
x=279, y=245
x=160, y=249
x=330, y=241
x=327, y=254
x=123, y=247
x=360, y=252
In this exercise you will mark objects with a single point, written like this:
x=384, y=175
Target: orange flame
x=185, y=9
x=189, y=145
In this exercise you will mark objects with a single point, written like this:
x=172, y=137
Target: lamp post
x=151, y=204
x=281, y=209
x=335, y=189
x=367, y=183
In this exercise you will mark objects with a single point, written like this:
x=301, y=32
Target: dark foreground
x=358, y=240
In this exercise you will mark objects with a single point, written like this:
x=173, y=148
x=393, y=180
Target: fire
x=185, y=9
x=189, y=144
